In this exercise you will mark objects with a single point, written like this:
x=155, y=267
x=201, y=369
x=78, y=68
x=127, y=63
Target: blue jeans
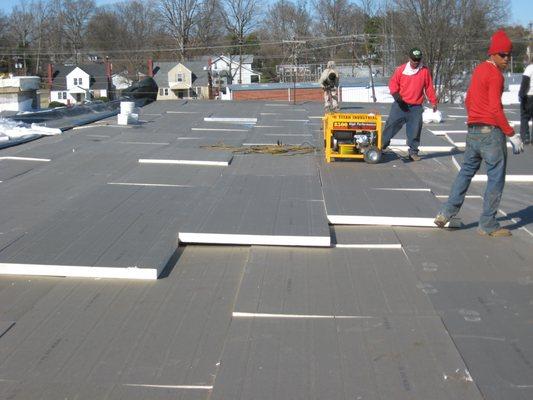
x=491, y=148
x=412, y=118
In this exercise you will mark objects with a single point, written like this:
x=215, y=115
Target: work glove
x=403, y=105
x=516, y=142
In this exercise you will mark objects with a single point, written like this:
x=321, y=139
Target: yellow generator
x=352, y=136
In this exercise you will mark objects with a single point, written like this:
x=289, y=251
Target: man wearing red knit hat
x=485, y=141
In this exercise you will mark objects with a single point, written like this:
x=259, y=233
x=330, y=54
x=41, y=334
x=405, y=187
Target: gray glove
x=516, y=142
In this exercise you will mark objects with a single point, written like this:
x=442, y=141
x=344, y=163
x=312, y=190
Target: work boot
x=500, y=232
x=414, y=157
x=441, y=220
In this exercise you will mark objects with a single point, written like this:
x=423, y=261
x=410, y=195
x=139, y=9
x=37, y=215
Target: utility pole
x=295, y=49
x=240, y=59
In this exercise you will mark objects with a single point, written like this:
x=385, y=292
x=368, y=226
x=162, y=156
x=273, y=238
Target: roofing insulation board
x=484, y=305
x=277, y=165
x=41, y=193
x=11, y=169
x=173, y=154
x=331, y=282
x=267, y=209
x=354, y=194
x=281, y=139
x=108, y=333
x=242, y=109
x=5, y=326
x=517, y=164
x=426, y=137
x=342, y=359
x=19, y=140
x=184, y=175
x=112, y=229
x=363, y=235
x=231, y=120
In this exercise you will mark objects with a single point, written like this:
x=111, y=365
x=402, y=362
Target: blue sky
x=521, y=10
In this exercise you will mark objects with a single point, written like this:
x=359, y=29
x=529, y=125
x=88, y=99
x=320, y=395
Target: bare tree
x=209, y=28
x=72, y=17
x=453, y=34
x=41, y=14
x=179, y=18
x=335, y=18
x=140, y=29
x=240, y=18
x=21, y=24
x=287, y=20
x=106, y=32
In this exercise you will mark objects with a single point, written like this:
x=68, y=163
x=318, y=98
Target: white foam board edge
x=78, y=271
x=265, y=240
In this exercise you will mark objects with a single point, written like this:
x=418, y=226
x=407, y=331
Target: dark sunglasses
x=505, y=55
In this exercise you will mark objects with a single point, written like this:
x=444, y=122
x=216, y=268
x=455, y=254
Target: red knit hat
x=500, y=43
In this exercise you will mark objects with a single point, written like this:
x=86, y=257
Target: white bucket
x=122, y=119
x=126, y=119
x=127, y=107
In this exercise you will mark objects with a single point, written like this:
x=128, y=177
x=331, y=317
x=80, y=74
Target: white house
x=226, y=70
x=77, y=84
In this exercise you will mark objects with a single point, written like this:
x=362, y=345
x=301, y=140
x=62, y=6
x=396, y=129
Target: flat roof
x=257, y=303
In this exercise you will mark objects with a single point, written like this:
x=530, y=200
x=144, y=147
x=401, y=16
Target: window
x=79, y=81
x=75, y=81
x=166, y=92
x=179, y=77
x=62, y=95
x=161, y=92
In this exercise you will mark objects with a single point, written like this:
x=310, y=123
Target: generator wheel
x=372, y=155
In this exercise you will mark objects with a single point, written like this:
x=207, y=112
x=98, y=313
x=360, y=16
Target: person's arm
x=430, y=91
x=495, y=84
x=394, y=87
x=394, y=83
x=524, y=88
x=323, y=78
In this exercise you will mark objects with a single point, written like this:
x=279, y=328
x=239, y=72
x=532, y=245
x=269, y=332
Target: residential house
x=181, y=80
x=78, y=84
x=226, y=70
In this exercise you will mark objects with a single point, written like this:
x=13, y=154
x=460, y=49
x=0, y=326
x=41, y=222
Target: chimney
x=150, y=67
x=107, y=68
x=50, y=75
x=108, y=74
x=209, y=79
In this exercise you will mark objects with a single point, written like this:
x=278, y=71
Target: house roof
x=97, y=73
x=363, y=81
x=246, y=58
x=274, y=85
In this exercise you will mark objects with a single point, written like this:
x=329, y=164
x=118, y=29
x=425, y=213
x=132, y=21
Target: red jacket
x=412, y=87
x=484, y=98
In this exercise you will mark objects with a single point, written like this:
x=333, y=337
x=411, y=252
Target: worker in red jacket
x=485, y=140
x=409, y=84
